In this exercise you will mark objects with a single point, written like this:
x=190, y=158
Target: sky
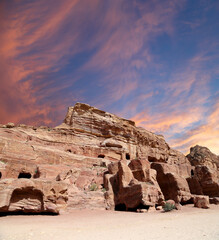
x=153, y=61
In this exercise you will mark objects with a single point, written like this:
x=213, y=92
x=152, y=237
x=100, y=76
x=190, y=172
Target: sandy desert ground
x=189, y=223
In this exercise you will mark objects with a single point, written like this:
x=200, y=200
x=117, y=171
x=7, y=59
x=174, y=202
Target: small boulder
x=201, y=201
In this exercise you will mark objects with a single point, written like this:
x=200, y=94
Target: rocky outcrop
x=93, y=150
x=114, y=137
x=32, y=196
x=205, y=172
x=132, y=186
x=202, y=156
x=174, y=186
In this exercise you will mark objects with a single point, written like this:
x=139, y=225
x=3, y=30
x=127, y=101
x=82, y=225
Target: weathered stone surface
x=35, y=196
x=119, y=138
x=132, y=187
x=173, y=185
x=203, y=156
x=77, y=154
x=205, y=177
x=201, y=201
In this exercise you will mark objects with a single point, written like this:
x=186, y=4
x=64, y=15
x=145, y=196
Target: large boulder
x=205, y=173
x=172, y=184
x=201, y=201
x=132, y=187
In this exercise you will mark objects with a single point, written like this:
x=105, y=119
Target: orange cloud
x=182, y=108
x=28, y=50
x=204, y=135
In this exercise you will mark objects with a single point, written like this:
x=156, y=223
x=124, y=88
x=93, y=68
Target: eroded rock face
x=203, y=156
x=114, y=137
x=172, y=183
x=132, y=186
x=32, y=196
x=141, y=165
x=205, y=173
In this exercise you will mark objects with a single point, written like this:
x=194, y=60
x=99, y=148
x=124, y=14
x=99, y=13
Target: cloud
x=31, y=48
x=107, y=53
x=125, y=51
x=182, y=112
x=205, y=135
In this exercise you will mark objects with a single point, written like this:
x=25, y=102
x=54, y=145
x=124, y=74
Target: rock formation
x=131, y=187
x=91, y=152
x=205, y=172
x=32, y=196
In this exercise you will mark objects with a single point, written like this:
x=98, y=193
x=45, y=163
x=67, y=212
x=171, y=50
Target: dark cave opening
x=120, y=207
x=24, y=175
x=140, y=206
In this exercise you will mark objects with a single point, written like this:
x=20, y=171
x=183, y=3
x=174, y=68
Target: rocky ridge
x=95, y=159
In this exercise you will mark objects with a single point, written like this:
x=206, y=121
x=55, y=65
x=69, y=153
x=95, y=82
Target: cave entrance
x=127, y=156
x=0, y=175
x=101, y=156
x=122, y=207
x=192, y=172
x=26, y=200
x=140, y=206
x=24, y=175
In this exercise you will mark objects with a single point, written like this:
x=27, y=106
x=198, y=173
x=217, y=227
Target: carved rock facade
x=91, y=151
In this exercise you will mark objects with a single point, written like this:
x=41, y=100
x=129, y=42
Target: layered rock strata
x=32, y=196
x=132, y=186
x=89, y=145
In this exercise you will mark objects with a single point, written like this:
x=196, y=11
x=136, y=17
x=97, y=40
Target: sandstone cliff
x=91, y=152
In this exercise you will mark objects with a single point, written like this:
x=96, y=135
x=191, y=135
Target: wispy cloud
x=184, y=108
x=32, y=47
x=126, y=50
x=205, y=135
x=116, y=55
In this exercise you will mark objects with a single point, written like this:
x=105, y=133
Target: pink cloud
x=204, y=135
x=182, y=108
x=24, y=29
